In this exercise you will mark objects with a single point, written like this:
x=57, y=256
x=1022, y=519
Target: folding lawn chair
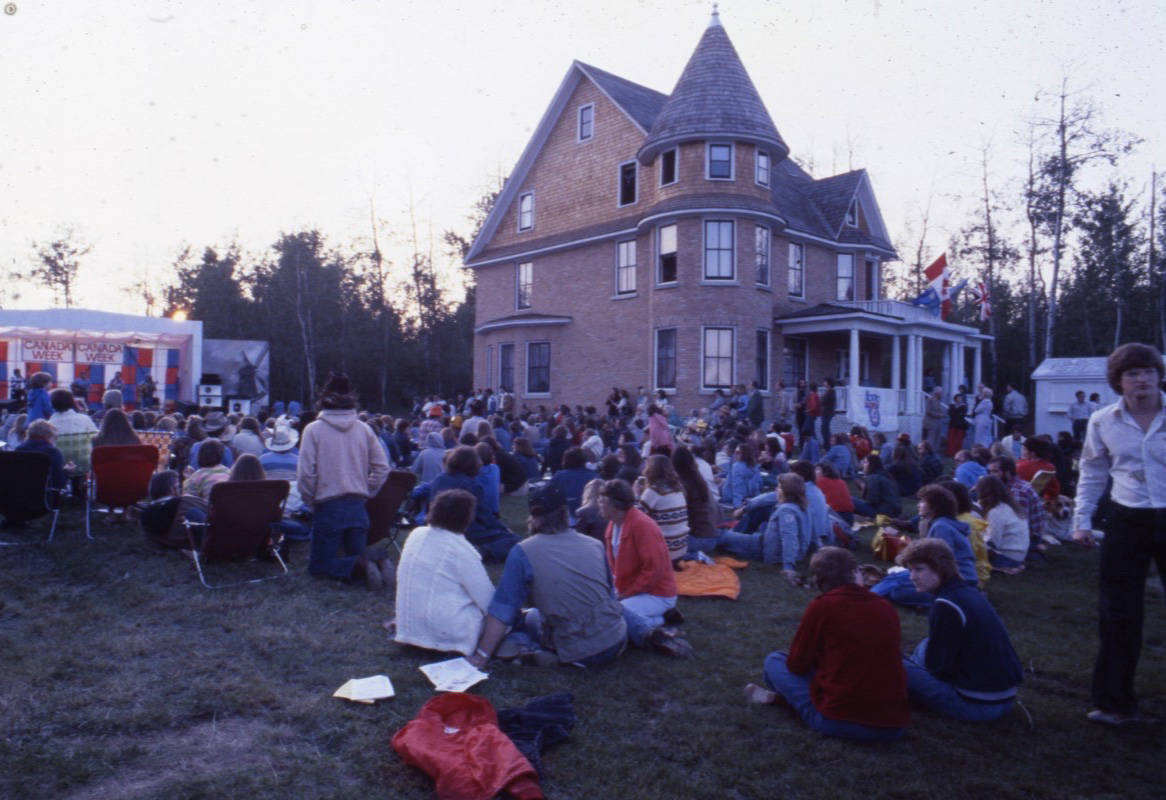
x=240, y=526
x=27, y=494
x=119, y=477
x=385, y=517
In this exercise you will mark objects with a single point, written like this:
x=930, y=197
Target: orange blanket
x=710, y=580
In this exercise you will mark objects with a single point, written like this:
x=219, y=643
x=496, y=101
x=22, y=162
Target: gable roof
x=714, y=98
x=640, y=103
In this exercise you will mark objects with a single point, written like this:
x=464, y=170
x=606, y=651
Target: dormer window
x=668, y=167
x=720, y=162
x=586, y=122
x=852, y=214
x=762, y=177
x=526, y=211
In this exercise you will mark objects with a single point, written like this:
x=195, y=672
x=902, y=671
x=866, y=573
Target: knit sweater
x=443, y=591
x=849, y=638
x=669, y=511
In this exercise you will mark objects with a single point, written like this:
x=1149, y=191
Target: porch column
x=977, y=368
x=914, y=374
x=855, y=363
x=896, y=362
x=961, y=369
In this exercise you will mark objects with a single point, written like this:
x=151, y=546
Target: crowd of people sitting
x=618, y=497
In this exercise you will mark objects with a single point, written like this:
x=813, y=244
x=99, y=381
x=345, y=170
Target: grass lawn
x=123, y=677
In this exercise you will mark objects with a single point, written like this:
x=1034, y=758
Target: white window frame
x=675, y=151
x=521, y=280
x=705, y=277
x=762, y=176
x=761, y=233
x=521, y=198
x=704, y=331
x=842, y=366
x=656, y=359
x=625, y=268
x=797, y=254
x=660, y=254
x=490, y=366
x=529, y=392
x=579, y=137
x=635, y=165
x=708, y=161
x=838, y=294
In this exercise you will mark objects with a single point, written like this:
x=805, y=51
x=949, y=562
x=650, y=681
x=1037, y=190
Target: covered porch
x=884, y=354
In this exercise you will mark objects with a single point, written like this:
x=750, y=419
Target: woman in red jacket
x=844, y=675
x=642, y=571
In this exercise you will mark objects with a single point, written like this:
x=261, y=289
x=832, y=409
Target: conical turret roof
x=714, y=99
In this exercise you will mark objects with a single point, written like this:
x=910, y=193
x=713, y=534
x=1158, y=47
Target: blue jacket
x=56, y=460
x=839, y=455
x=572, y=481
x=742, y=482
x=955, y=533
x=968, y=645
x=818, y=514
x=969, y=472
x=39, y=406
x=791, y=526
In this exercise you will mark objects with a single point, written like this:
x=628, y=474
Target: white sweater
x=1007, y=532
x=443, y=591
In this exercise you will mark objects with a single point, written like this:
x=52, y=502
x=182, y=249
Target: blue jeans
x=528, y=633
x=943, y=698
x=765, y=546
x=1001, y=561
x=336, y=522
x=642, y=613
x=897, y=588
x=796, y=690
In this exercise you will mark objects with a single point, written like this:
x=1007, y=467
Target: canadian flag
x=937, y=277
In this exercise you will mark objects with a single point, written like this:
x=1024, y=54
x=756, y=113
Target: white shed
x=1057, y=380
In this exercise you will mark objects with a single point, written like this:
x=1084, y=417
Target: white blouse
x=443, y=592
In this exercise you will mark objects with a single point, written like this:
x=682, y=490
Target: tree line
x=1069, y=245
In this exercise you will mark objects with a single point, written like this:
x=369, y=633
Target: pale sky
x=148, y=125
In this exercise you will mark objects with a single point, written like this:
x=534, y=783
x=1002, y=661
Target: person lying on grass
x=443, y=590
x=965, y=667
x=844, y=673
x=937, y=520
x=785, y=539
x=561, y=576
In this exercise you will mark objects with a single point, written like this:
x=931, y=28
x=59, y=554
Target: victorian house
x=669, y=242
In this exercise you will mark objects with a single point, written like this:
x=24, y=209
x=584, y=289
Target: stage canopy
x=100, y=350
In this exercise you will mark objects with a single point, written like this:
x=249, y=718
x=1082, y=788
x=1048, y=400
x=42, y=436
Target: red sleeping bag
x=455, y=739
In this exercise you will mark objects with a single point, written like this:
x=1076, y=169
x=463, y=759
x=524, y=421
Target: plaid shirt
x=1034, y=509
x=77, y=447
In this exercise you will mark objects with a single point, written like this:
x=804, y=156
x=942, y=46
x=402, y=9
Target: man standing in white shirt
x=1015, y=406
x=1126, y=441
x=1079, y=412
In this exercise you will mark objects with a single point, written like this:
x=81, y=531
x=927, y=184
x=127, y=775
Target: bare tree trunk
x=1033, y=248
x=304, y=316
x=1155, y=274
x=990, y=232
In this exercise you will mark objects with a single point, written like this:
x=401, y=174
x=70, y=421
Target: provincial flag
x=983, y=300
